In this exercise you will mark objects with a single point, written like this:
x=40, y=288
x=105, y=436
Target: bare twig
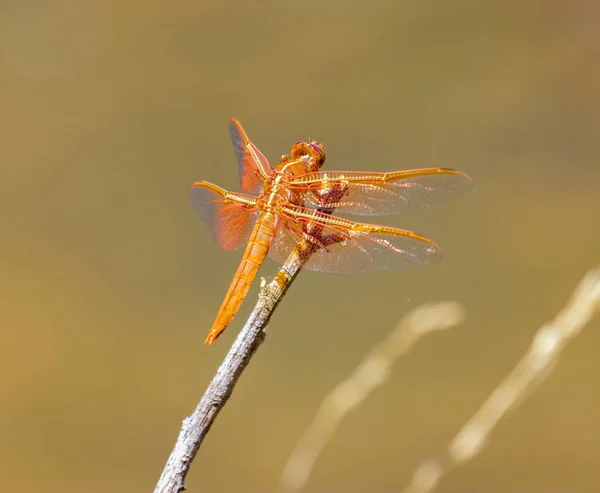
x=530, y=371
x=196, y=426
x=370, y=373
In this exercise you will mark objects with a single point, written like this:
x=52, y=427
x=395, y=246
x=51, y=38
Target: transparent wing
x=371, y=194
x=253, y=165
x=230, y=217
x=330, y=244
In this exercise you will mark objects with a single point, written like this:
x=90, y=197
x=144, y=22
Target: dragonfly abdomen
x=254, y=256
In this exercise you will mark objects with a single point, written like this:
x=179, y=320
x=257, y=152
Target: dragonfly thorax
x=275, y=192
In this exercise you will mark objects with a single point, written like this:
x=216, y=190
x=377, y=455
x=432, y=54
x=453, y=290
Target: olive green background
x=109, y=110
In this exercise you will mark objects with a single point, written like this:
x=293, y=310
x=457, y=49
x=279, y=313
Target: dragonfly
x=293, y=203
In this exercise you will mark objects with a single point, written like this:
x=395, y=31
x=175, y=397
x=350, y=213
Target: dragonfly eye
x=318, y=152
x=312, y=149
x=299, y=149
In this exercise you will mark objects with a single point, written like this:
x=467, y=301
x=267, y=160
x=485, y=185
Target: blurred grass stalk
x=371, y=373
x=530, y=371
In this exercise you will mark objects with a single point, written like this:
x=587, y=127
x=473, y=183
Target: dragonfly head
x=312, y=152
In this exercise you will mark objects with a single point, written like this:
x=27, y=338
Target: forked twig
x=530, y=371
x=372, y=372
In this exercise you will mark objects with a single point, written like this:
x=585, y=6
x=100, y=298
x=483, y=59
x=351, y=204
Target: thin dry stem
x=372, y=372
x=530, y=371
x=196, y=426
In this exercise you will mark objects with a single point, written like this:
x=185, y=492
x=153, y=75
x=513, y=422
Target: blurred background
x=109, y=281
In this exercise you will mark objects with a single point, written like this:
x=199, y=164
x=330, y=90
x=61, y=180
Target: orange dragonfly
x=292, y=204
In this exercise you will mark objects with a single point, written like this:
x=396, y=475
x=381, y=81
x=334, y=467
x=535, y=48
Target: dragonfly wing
x=229, y=216
x=330, y=244
x=371, y=194
x=253, y=165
